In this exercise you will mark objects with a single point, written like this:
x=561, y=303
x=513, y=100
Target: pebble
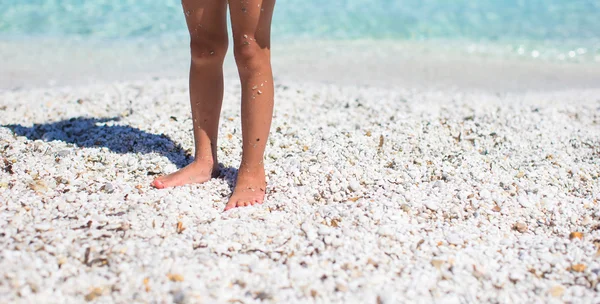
x=354, y=185
x=525, y=202
x=386, y=231
x=454, y=239
x=61, y=206
x=63, y=153
x=347, y=220
x=108, y=188
x=70, y=198
x=557, y=291
x=485, y=194
x=325, y=231
x=51, y=184
x=587, y=220
x=43, y=227
x=521, y=227
x=39, y=186
x=516, y=276
x=314, y=169
x=432, y=205
x=405, y=208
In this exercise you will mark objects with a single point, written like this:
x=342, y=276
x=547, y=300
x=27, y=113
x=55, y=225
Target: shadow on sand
x=100, y=132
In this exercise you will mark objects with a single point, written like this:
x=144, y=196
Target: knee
x=208, y=48
x=249, y=52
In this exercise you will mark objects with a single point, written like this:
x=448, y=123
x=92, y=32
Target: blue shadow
x=93, y=132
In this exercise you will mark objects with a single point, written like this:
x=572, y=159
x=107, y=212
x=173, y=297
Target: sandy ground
x=375, y=196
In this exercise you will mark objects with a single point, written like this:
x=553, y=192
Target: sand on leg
x=207, y=24
x=251, y=26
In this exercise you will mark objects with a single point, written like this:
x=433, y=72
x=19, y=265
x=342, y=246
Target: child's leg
x=251, y=23
x=207, y=24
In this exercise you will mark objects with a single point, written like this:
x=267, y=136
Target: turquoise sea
x=555, y=29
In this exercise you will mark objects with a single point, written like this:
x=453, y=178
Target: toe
x=158, y=184
x=230, y=205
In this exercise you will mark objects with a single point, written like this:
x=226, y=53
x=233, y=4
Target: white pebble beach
x=375, y=195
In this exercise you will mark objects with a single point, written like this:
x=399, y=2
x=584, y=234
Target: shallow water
x=550, y=29
x=490, y=44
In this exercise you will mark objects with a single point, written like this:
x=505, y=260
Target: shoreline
x=384, y=64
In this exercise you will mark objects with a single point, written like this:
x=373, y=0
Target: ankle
x=205, y=160
x=252, y=166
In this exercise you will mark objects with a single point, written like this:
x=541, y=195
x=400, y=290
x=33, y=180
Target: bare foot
x=249, y=189
x=195, y=173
